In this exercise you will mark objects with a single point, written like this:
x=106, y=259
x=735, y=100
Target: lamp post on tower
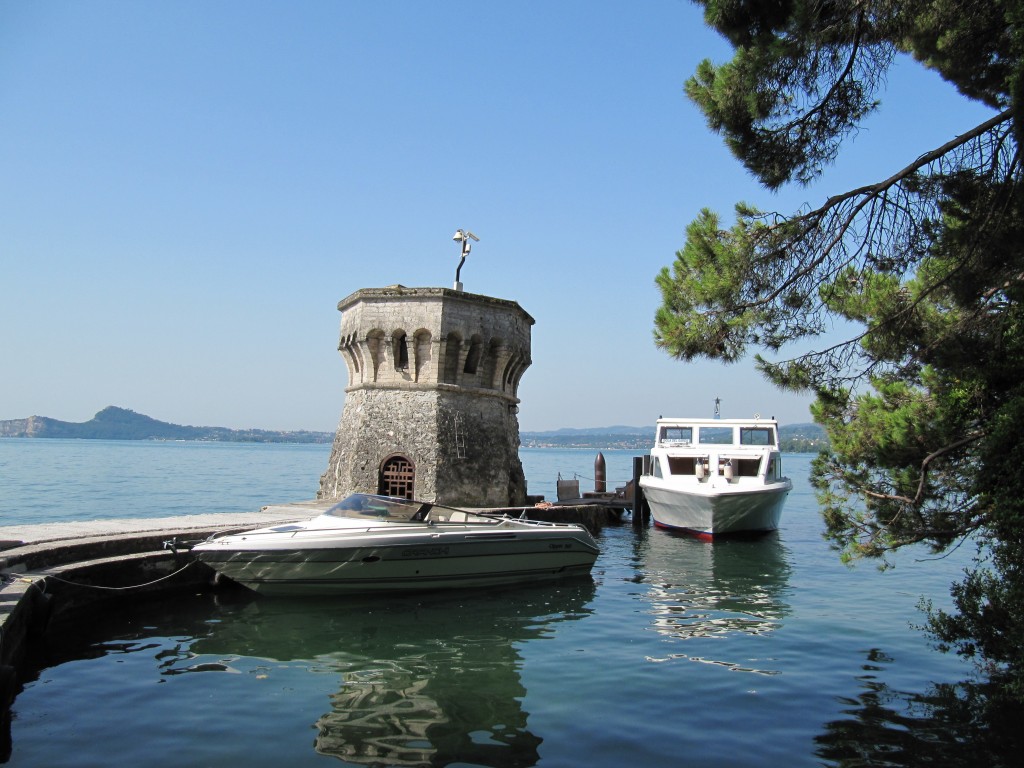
x=463, y=237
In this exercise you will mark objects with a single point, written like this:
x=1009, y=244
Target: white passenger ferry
x=712, y=477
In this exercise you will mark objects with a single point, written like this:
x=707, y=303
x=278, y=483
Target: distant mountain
x=113, y=423
x=594, y=438
x=802, y=438
x=574, y=431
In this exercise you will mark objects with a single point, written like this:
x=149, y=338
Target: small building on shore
x=431, y=406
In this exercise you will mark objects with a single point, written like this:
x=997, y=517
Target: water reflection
x=697, y=589
x=423, y=682
x=427, y=681
x=953, y=725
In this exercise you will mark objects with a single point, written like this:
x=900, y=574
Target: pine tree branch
x=810, y=222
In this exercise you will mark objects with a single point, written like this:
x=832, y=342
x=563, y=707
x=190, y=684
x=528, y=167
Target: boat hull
x=404, y=563
x=716, y=512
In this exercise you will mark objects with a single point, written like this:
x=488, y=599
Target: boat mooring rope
x=44, y=576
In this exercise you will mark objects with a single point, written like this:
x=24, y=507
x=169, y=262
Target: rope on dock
x=42, y=577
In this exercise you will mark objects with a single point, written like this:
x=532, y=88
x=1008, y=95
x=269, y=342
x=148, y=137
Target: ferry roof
x=753, y=422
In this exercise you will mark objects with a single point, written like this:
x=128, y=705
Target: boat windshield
x=363, y=505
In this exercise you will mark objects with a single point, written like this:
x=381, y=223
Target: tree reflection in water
x=953, y=726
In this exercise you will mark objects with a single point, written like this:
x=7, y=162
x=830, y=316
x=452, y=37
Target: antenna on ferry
x=718, y=410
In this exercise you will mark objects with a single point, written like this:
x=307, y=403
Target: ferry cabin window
x=677, y=434
x=757, y=436
x=746, y=467
x=716, y=435
x=682, y=465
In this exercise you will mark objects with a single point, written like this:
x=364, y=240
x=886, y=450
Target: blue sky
x=187, y=189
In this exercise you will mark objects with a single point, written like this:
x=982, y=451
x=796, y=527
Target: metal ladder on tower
x=460, y=437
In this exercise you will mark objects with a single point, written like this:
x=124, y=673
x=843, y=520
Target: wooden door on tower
x=397, y=475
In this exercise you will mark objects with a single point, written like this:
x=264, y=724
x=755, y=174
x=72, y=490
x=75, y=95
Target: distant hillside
x=596, y=438
x=802, y=438
x=113, y=423
x=793, y=438
x=577, y=431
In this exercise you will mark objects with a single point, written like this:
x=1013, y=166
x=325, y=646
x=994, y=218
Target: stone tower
x=431, y=404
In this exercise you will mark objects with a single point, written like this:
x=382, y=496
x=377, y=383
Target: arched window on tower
x=400, y=350
x=452, y=348
x=421, y=352
x=473, y=358
x=377, y=346
x=490, y=364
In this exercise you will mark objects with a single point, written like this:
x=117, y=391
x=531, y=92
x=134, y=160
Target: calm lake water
x=675, y=652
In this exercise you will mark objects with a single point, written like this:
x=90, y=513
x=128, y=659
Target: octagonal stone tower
x=431, y=404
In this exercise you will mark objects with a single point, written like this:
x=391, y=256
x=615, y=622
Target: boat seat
x=457, y=517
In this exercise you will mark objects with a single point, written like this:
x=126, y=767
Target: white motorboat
x=369, y=543
x=712, y=477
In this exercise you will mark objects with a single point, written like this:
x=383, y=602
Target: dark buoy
x=599, y=474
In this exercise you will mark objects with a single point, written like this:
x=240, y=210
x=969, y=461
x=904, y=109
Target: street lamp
x=463, y=237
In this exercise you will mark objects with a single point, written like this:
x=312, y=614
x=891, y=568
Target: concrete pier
x=40, y=565
x=65, y=530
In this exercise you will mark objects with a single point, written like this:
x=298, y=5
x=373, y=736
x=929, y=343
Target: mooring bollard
x=638, y=493
x=599, y=474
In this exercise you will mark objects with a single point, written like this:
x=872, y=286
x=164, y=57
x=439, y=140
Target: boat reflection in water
x=424, y=681
x=698, y=590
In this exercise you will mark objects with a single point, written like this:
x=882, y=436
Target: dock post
x=599, y=474
x=638, y=494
